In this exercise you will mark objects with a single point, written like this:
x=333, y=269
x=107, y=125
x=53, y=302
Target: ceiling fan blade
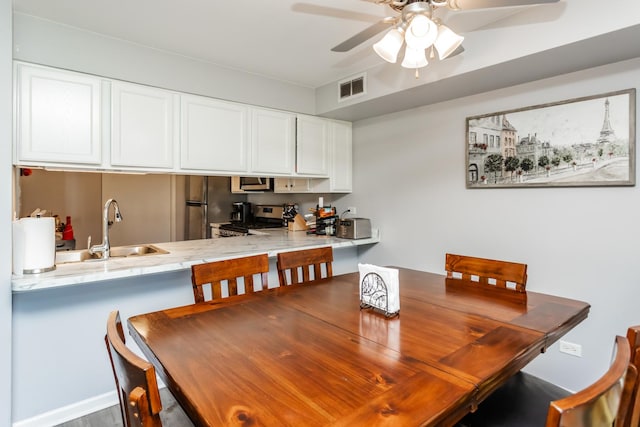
x=332, y=12
x=485, y=4
x=361, y=37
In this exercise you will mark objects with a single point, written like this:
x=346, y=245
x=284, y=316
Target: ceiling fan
x=418, y=26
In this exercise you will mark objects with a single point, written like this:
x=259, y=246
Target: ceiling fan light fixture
x=389, y=46
x=419, y=26
x=447, y=41
x=421, y=33
x=414, y=58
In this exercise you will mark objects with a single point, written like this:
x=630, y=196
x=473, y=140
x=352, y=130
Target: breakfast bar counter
x=181, y=256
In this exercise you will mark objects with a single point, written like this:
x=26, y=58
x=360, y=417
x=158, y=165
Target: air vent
x=352, y=87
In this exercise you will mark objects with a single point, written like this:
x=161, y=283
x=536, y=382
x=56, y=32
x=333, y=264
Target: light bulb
x=422, y=32
x=414, y=58
x=389, y=46
x=447, y=41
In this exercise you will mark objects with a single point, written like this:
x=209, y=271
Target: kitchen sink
x=120, y=251
x=64, y=257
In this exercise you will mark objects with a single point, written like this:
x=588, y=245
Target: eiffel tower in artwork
x=606, y=134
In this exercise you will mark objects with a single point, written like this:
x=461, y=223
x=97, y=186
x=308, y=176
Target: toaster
x=354, y=228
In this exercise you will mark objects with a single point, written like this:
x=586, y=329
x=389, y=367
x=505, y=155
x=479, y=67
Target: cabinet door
x=292, y=185
x=214, y=135
x=58, y=117
x=299, y=185
x=142, y=126
x=340, y=161
x=281, y=185
x=272, y=141
x=340, y=166
x=312, y=146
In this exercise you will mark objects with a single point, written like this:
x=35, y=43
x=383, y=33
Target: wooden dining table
x=308, y=355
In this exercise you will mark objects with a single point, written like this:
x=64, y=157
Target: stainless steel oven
x=264, y=216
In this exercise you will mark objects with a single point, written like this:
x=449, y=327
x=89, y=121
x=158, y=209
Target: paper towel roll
x=18, y=247
x=34, y=245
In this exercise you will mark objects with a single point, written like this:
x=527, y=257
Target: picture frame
x=580, y=142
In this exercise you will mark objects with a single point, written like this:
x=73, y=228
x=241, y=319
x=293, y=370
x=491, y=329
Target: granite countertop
x=181, y=256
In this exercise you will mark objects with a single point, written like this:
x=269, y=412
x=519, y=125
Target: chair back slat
x=633, y=335
x=487, y=272
x=623, y=417
x=598, y=404
x=635, y=413
x=214, y=273
x=299, y=264
x=135, y=379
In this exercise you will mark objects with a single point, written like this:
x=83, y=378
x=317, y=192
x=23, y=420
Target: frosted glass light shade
x=414, y=58
x=447, y=41
x=390, y=45
x=422, y=32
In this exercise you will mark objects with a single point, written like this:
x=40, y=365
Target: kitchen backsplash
x=152, y=205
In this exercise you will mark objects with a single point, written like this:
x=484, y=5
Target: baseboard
x=70, y=412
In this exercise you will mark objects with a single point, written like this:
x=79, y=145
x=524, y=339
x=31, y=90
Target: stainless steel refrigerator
x=208, y=199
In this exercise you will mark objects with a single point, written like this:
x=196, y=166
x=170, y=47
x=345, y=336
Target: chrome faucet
x=104, y=247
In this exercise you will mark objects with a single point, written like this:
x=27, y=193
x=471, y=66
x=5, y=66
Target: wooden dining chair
x=297, y=266
x=215, y=274
x=633, y=335
x=629, y=414
x=534, y=402
x=135, y=378
x=487, y=273
x=598, y=404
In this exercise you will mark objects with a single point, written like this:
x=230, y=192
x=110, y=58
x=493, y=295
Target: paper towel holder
x=39, y=270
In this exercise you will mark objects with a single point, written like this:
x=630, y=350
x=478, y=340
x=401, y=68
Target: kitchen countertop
x=181, y=256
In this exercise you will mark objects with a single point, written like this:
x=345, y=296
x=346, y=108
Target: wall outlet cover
x=570, y=348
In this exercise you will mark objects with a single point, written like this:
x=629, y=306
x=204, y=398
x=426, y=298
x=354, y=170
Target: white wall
x=74, y=194
x=5, y=211
x=147, y=206
x=579, y=243
x=146, y=202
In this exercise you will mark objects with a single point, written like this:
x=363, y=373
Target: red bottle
x=67, y=233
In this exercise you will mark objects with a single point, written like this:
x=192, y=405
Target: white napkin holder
x=379, y=289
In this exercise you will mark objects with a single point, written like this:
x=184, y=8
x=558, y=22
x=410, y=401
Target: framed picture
x=586, y=141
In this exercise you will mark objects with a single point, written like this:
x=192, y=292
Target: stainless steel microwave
x=241, y=184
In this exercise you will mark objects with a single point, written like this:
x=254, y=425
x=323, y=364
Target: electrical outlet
x=352, y=210
x=571, y=348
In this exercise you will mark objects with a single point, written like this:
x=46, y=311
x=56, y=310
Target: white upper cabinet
x=341, y=165
x=273, y=143
x=312, y=157
x=143, y=126
x=65, y=119
x=214, y=135
x=340, y=161
x=58, y=117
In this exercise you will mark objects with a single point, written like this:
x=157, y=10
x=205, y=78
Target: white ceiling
x=286, y=40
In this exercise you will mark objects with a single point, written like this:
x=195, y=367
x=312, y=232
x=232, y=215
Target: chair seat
x=527, y=398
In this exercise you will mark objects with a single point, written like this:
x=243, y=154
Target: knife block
x=298, y=223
